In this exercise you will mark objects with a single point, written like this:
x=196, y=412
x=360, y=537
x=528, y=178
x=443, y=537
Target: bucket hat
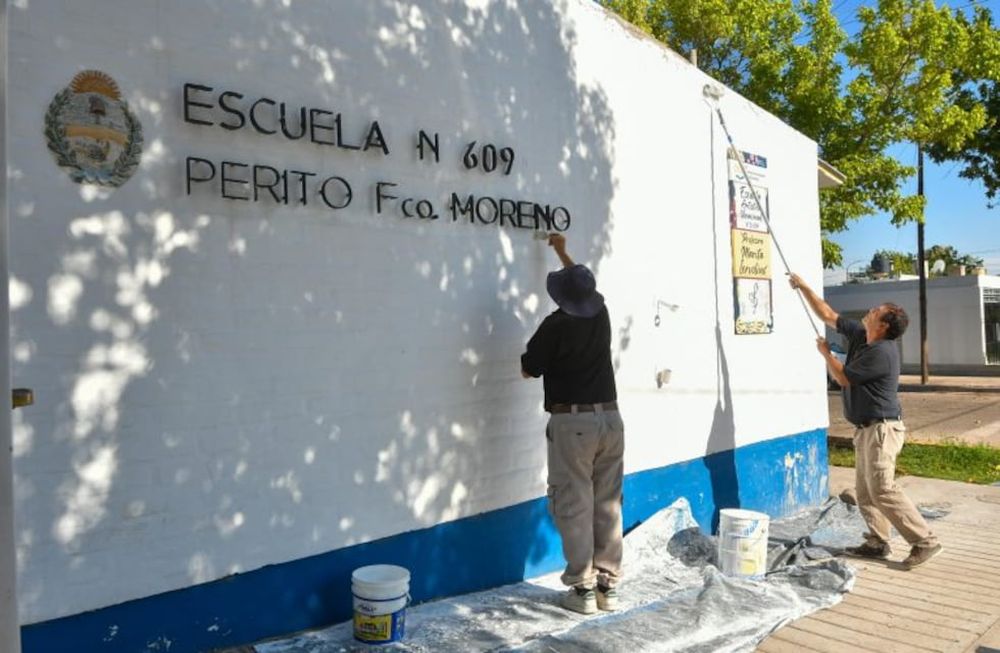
x=574, y=290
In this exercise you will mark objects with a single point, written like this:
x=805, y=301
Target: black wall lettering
x=188, y=103
x=224, y=105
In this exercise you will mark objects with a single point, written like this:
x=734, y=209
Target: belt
x=583, y=408
x=876, y=420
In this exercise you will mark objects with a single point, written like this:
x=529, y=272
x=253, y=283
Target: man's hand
x=818, y=306
x=833, y=364
x=795, y=281
x=558, y=243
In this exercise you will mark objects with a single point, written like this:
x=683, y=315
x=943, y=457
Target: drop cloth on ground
x=673, y=598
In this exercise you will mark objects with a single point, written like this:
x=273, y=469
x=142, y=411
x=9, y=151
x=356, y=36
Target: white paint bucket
x=381, y=594
x=743, y=542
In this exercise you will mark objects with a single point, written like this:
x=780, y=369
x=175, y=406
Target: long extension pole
x=714, y=94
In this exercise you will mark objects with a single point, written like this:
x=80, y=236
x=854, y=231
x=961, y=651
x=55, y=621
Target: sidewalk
x=952, y=604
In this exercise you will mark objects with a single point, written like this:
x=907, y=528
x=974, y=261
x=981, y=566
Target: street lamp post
x=921, y=261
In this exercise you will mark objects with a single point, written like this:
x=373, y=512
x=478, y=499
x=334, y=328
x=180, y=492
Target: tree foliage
x=981, y=153
x=902, y=263
x=906, y=263
x=951, y=257
x=898, y=79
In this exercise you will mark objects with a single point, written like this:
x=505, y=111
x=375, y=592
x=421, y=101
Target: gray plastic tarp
x=673, y=599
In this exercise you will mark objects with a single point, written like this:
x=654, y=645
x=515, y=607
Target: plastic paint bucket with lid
x=743, y=542
x=381, y=594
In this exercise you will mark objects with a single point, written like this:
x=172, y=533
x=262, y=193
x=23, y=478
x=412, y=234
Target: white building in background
x=272, y=267
x=963, y=318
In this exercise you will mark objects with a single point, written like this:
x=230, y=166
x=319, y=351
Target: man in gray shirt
x=870, y=379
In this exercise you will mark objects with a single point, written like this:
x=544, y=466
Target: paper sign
x=744, y=212
x=751, y=254
x=751, y=243
x=753, y=306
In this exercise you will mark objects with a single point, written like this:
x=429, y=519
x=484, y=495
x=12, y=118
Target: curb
x=839, y=441
x=916, y=387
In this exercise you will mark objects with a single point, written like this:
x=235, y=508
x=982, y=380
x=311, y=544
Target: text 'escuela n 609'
x=232, y=111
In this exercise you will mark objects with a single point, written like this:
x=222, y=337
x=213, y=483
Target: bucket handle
x=365, y=598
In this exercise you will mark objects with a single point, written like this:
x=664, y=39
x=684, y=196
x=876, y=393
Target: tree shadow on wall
x=238, y=384
x=505, y=453
x=720, y=450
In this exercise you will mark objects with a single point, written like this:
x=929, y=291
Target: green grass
x=971, y=463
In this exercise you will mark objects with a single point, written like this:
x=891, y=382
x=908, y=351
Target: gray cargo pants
x=585, y=452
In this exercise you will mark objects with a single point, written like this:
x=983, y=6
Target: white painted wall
x=955, y=334
x=224, y=385
x=10, y=634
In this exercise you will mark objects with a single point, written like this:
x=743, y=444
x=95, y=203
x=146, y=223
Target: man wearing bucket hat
x=571, y=350
x=869, y=379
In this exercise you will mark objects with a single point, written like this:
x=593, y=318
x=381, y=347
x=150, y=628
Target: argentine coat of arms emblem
x=91, y=131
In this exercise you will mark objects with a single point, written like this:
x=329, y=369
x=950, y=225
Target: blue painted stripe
x=502, y=546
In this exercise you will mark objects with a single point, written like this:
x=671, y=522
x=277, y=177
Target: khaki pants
x=585, y=493
x=880, y=499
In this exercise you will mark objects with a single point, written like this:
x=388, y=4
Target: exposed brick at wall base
x=778, y=476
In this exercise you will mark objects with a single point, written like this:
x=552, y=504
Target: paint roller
x=713, y=94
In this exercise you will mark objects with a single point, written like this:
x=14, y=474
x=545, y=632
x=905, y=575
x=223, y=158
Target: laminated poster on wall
x=744, y=212
x=753, y=306
x=751, y=245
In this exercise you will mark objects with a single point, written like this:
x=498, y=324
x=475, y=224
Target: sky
x=956, y=212
x=956, y=215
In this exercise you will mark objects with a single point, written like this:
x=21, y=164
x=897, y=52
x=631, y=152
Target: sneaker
x=921, y=554
x=878, y=551
x=607, y=598
x=580, y=599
